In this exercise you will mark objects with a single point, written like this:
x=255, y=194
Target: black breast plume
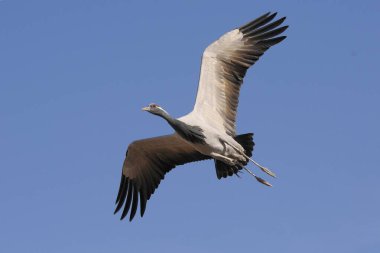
x=192, y=134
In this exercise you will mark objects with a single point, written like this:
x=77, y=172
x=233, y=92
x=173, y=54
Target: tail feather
x=224, y=170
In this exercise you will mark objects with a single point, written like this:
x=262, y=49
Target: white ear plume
x=162, y=109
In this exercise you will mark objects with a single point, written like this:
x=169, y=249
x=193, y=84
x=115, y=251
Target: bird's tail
x=224, y=170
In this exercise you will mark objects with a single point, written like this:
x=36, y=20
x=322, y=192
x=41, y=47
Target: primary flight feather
x=208, y=132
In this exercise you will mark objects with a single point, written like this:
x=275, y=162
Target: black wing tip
x=260, y=22
x=274, y=14
x=273, y=41
x=123, y=216
x=269, y=14
x=122, y=182
x=123, y=195
x=130, y=194
x=143, y=201
x=135, y=202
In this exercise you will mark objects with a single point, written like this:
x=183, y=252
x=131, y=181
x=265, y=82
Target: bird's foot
x=259, y=179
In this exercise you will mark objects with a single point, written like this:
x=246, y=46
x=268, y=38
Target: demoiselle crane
x=208, y=132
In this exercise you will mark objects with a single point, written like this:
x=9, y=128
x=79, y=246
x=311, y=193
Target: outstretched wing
x=224, y=64
x=146, y=163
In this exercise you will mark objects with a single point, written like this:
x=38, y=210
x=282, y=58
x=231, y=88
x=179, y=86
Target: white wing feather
x=224, y=64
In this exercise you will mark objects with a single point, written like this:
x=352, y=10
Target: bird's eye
x=153, y=106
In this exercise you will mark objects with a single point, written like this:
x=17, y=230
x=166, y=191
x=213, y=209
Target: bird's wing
x=224, y=64
x=146, y=163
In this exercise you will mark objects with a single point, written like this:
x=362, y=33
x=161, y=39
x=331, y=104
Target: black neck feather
x=192, y=134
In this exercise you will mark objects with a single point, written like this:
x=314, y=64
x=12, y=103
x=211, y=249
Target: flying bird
x=207, y=132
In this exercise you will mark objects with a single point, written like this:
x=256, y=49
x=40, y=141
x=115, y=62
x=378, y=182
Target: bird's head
x=155, y=109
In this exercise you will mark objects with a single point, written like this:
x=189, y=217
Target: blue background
x=75, y=74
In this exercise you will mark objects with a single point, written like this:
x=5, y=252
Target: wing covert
x=224, y=65
x=146, y=163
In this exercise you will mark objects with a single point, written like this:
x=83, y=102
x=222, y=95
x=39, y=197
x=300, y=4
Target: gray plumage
x=193, y=134
x=209, y=131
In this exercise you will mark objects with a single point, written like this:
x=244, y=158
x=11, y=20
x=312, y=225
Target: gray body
x=209, y=130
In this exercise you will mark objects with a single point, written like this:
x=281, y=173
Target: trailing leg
x=266, y=170
x=259, y=179
x=225, y=169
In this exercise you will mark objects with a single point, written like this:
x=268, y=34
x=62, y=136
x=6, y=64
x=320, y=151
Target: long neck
x=190, y=133
x=166, y=116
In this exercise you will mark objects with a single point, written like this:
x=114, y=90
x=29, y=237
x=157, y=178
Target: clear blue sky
x=75, y=74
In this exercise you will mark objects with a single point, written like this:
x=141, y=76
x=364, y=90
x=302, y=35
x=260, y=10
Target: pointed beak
x=145, y=108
